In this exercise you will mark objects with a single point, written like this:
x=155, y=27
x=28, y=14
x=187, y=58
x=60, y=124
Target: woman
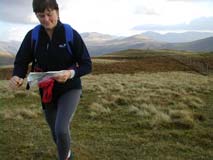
x=61, y=94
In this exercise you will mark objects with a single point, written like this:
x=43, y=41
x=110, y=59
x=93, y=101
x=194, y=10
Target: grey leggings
x=58, y=116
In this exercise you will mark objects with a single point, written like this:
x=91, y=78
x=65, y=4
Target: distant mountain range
x=202, y=45
x=190, y=41
x=6, y=58
x=9, y=47
x=178, y=37
x=99, y=44
x=143, y=41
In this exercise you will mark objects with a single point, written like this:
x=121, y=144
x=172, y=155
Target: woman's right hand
x=15, y=82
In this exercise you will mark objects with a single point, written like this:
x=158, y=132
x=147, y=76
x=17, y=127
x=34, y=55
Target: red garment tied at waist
x=47, y=86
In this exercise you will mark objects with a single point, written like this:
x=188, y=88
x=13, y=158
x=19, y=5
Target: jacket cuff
x=72, y=71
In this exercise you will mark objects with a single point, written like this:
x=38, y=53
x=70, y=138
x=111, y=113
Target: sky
x=114, y=17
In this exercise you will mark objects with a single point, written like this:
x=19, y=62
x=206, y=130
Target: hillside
x=99, y=44
x=203, y=45
x=136, y=104
x=132, y=42
x=141, y=42
x=155, y=60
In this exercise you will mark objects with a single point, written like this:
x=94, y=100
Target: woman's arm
x=82, y=56
x=23, y=57
x=22, y=60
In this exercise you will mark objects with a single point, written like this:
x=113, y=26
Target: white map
x=34, y=77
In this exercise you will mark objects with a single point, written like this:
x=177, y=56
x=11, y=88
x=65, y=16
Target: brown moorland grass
x=147, y=64
x=131, y=61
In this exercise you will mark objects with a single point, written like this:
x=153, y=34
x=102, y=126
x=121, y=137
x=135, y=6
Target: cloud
x=144, y=10
x=202, y=24
x=111, y=16
x=189, y=0
x=16, y=11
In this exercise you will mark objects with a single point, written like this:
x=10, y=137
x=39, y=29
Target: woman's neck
x=49, y=32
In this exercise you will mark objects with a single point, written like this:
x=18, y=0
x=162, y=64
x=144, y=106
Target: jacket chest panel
x=53, y=55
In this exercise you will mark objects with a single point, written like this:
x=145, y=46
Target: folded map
x=35, y=77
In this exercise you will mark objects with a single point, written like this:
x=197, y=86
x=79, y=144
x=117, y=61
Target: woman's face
x=48, y=18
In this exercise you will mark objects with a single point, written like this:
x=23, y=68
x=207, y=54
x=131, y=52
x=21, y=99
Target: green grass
x=165, y=115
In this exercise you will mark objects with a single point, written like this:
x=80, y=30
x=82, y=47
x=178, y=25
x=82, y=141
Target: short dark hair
x=41, y=5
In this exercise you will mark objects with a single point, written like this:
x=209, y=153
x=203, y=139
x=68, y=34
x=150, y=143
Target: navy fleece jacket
x=52, y=55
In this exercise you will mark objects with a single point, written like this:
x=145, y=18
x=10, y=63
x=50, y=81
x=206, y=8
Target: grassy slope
x=158, y=115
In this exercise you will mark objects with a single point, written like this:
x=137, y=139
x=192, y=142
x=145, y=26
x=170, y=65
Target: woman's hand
x=16, y=82
x=62, y=77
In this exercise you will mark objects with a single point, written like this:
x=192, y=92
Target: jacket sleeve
x=82, y=56
x=23, y=57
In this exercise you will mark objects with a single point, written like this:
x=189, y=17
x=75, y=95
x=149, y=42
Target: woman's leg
x=66, y=107
x=50, y=112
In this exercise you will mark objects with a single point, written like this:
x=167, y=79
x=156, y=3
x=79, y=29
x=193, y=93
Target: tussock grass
x=164, y=115
x=19, y=113
x=7, y=93
x=183, y=119
x=193, y=101
x=154, y=96
x=97, y=109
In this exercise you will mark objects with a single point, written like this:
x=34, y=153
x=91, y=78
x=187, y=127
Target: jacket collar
x=56, y=28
